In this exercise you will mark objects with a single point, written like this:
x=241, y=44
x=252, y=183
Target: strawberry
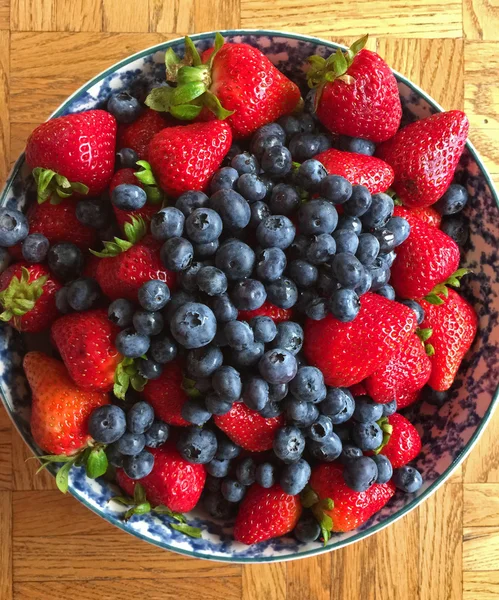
x=427, y=214
x=405, y=373
x=401, y=441
x=60, y=409
x=265, y=514
x=377, y=332
x=126, y=264
x=122, y=216
x=370, y=171
x=85, y=343
x=454, y=324
x=267, y=310
x=173, y=481
x=358, y=389
x=185, y=158
x=405, y=400
x=336, y=506
x=27, y=296
x=138, y=134
x=73, y=153
x=248, y=429
x=233, y=81
x=357, y=93
x=424, y=156
x=427, y=258
x=167, y=396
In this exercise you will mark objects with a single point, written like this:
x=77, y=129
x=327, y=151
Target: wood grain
x=481, y=19
x=4, y=103
x=264, y=581
x=5, y=546
x=480, y=548
x=480, y=585
x=310, y=578
x=481, y=504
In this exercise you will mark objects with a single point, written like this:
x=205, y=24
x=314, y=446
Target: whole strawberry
x=426, y=214
x=138, y=134
x=357, y=93
x=427, y=258
x=85, y=342
x=265, y=514
x=359, y=169
x=230, y=81
x=267, y=309
x=248, y=429
x=173, y=482
x=454, y=324
x=73, y=153
x=377, y=332
x=401, y=441
x=424, y=156
x=27, y=297
x=185, y=158
x=60, y=409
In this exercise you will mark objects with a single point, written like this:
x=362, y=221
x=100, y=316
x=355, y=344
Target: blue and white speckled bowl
x=448, y=433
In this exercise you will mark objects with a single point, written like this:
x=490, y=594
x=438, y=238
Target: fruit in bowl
x=239, y=311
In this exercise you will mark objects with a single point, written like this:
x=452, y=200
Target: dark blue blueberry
x=189, y=201
x=285, y=199
x=217, y=506
x=251, y=187
x=277, y=366
x=336, y=189
x=349, y=453
x=389, y=408
x=222, y=308
x=349, y=222
x=407, y=479
x=259, y=211
x=386, y=239
x=303, y=273
x=203, y=225
x=224, y=179
x=148, y=323
x=114, y=457
x=343, y=432
x=317, y=309
x=211, y=281
x=270, y=264
x=194, y=411
x=218, y=467
x=217, y=405
x=61, y=301
x=131, y=444
x=379, y=212
x=368, y=248
x=456, y=227
x=282, y=292
x=386, y=291
x=126, y=158
x=307, y=384
x=276, y=161
x=347, y=241
x=232, y=490
x=65, y=260
x=249, y=356
x=233, y=151
x=360, y=473
x=294, y=477
x=138, y=466
x=120, y=312
x=338, y=405
x=364, y=284
x=380, y=276
x=197, y=445
x=276, y=231
x=299, y=246
x=206, y=250
x=311, y=417
x=226, y=447
x=265, y=137
x=357, y=145
x=307, y=529
x=13, y=227
x=5, y=259
x=296, y=409
x=177, y=254
x=433, y=397
x=140, y=417
x=320, y=249
x=347, y=269
x=131, y=344
x=278, y=391
x=107, y=424
x=344, y=304
x=163, y=349
x=235, y=259
x=367, y=410
x=212, y=484
x=203, y=362
x=305, y=297
x=193, y=325
x=385, y=469
x=289, y=444
x=307, y=121
x=239, y=335
x=153, y=295
x=83, y=294
x=453, y=201
x=149, y=369
x=304, y=146
x=93, y=213
x=400, y=229
x=327, y=282
x=367, y=436
x=320, y=430
x=290, y=125
x=167, y=223
x=245, y=471
x=245, y=163
x=271, y=410
x=248, y=294
x=157, y=434
x=289, y=337
x=127, y=196
x=359, y=202
x=325, y=142
x=124, y=107
x=264, y=329
x=416, y=307
x=326, y=450
x=310, y=175
x=188, y=277
x=265, y=475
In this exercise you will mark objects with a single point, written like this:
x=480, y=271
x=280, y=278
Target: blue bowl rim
x=416, y=501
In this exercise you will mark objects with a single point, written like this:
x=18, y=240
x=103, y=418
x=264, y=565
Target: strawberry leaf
x=212, y=103
x=424, y=334
x=96, y=464
x=193, y=532
x=191, y=52
x=62, y=477
x=308, y=497
x=21, y=295
x=145, y=175
x=188, y=92
x=172, y=62
x=434, y=299
x=356, y=47
x=159, y=99
x=134, y=232
x=50, y=185
x=429, y=349
x=339, y=63
x=189, y=74
x=185, y=112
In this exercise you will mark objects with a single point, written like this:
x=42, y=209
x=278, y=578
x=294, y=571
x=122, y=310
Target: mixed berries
x=243, y=304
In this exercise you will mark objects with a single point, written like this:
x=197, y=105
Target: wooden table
x=51, y=547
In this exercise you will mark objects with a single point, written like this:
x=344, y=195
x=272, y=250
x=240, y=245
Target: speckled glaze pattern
x=448, y=432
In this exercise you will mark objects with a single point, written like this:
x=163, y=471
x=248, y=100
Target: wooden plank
x=125, y=16
x=481, y=19
x=353, y=571
x=33, y=15
x=80, y=15
x=5, y=451
x=481, y=61
x=403, y=55
x=481, y=504
x=193, y=16
x=264, y=581
x=440, y=552
x=4, y=105
x=24, y=468
x=480, y=548
x=394, y=18
x=4, y=14
x=309, y=578
x=482, y=466
x=481, y=104
x=481, y=586
x=6, y=546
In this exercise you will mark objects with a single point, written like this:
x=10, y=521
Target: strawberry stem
x=49, y=182
x=134, y=232
x=387, y=430
x=441, y=289
x=126, y=374
x=21, y=295
x=147, y=179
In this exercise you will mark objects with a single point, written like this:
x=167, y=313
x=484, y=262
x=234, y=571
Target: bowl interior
x=447, y=432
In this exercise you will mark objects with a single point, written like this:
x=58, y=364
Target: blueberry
x=385, y=260
x=120, y=312
x=270, y=264
x=320, y=429
x=316, y=217
x=338, y=405
x=223, y=309
x=386, y=291
x=416, y=307
x=296, y=409
x=453, y=201
x=379, y=212
x=232, y=490
x=347, y=269
x=65, y=260
x=248, y=294
x=368, y=248
x=385, y=469
x=310, y=174
x=217, y=506
x=197, y=445
x=223, y=179
x=367, y=410
x=265, y=137
x=256, y=393
x=114, y=457
x=140, y=417
x=289, y=337
x=311, y=417
x=107, y=424
x=245, y=471
x=127, y=158
x=336, y=189
x=285, y=200
x=298, y=248
x=35, y=248
x=239, y=335
x=61, y=300
x=259, y=211
x=276, y=231
x=217, y=405
x=148, y=323
x=278, y=391
x=206, y=250
x=265, y=475
x=288, y=444
x=189, y=201
x=367, y=436
x=349, y=222
x=203, y=225
x=188, y=277
x=344, y=304
x=264, y=329
x=294, y=477
x=211, y=281
x=193, y=325
x=203, y=362
x=131, y=444
x=177, y=254
x=407, y=479
x=321, y=248
x=360, y=473
x=317, y=309
x=167, y=223
x=245, y=163
x=218, y=467
x=127, y=196
x=365, y=283
x=346, y=240
x=307, y=384
x=93, y=213
x=400, y=229
x=304, y=146
x=249, y=356
x=389, y=408
x=307, y=122
x=386, y=239
x=251, y=187
x=177, y=299
x=83, y=294
x=307, y=529
x=149, y=369
x=271, y=410
x=433, y=397
x=359, y=202
x=357, y=145
x=303, y=273
x=227, y=448
x=276, y=161
x=290, y=125
x=157, y=434
x=282, y=292
x=163, y=349
x=380, y=276
x=327, y=450
x=124, y=107
x=235, y=259
x=153, y=295
x=138, y=466
x=327, y=282
x=349, y=453
x=131, y=343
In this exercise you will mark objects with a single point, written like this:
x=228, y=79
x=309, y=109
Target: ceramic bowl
x=448, y=432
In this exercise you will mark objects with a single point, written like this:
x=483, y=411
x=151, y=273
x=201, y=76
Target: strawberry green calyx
x=189, y=387
x=147, y=179
x=20, y=296
x=193, y=80
x=310, y=499
x=127, y=375
x=435, y=296
x=387, y=430
x=424, y=335
x=134, y=232
x=50, y=184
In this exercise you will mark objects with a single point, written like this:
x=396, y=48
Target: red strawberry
x=167, y=396
x=350, y=509
x=73, y=153
x=265, y=514
x=405, y=373
x=357, y=93
x=85, y=343
x=60, y=409
x=358, y=389
x=173, y=482
x=405, y=400
x=427, y=258
x=27, y=296
x=424, y=156
x=428, y=215
x=123, y=216
x=401, y=441
x=185, y=158
x=377, y=332
x=138, y=134
x=248, y=429
x=454, y=324
x=267, y=310
x=375, y=174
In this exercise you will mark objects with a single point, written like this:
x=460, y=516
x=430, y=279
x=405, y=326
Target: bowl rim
x=432, y=488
